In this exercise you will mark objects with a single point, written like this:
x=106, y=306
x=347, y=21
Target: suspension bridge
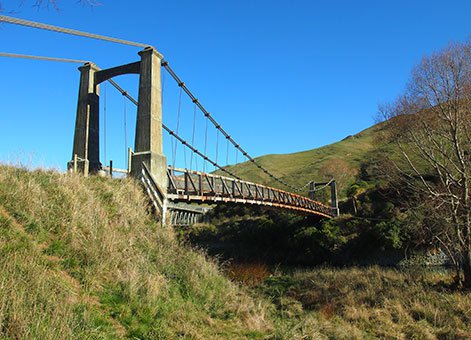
x=179, y=194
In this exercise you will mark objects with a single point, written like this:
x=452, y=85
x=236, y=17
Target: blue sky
x=280, y=76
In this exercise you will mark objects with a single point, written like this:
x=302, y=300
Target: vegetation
x=407, y=180
x=39, y=4
x=82, y=258
x=274, y=237
x=367, y=303
x=341, y=160
x=430, y=125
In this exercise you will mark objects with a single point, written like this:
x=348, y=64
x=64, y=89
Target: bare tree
x=39, y=4
x=431, y=124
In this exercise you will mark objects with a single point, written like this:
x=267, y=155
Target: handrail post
x=75, y=163
x=130, y=154
x=312, y=190
x=86, y=167
x=200, y=184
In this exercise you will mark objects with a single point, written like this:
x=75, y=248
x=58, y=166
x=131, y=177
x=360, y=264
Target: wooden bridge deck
x=199, y=187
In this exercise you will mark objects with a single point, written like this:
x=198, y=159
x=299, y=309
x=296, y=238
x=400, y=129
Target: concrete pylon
x=87, y=123
x=148, y=147
x=312, y=190
x=333, y=198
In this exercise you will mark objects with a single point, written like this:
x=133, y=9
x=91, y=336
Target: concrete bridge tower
x=148, y=148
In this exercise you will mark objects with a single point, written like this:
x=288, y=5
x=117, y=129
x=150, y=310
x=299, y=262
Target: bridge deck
x=199, y=187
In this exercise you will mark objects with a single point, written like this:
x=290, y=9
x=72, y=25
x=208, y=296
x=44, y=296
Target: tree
x=339, y=169
x=431, y=125
x=43, y=4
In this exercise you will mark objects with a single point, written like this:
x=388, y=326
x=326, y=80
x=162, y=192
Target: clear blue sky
x=280, y=76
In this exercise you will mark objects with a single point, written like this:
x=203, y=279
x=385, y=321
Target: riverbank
x=360, y=303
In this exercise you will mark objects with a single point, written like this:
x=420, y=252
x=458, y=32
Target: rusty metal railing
x=194, y=186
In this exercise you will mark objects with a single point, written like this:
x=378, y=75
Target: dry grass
x=372, y=303
x=82, y=258
x=72, y=245
x=249, y=274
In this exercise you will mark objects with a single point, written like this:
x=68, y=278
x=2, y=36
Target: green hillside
x=341, y=160
x=81, y=258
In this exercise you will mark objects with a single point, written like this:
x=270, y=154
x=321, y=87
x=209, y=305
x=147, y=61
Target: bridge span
x=167, y=186
x=164, y=184
x=193, y=186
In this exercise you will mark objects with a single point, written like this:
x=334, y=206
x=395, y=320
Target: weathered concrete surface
x=148, y=146
x=87, y=124
x=333, y=198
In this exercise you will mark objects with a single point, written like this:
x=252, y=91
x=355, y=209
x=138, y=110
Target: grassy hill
x=341, y=160
x=81, y=258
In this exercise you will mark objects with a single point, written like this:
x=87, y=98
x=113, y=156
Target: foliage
x=41, y=4
x=431, y=126
x=245, y=234
x=81, y=258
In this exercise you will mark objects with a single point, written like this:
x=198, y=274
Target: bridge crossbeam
x=193, y=186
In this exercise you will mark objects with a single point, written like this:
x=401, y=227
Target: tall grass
x=82, y=258
x=358, y=303
x=73, y=249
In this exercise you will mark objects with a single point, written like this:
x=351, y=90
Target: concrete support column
x=87, y=123
x=312, y=190
x=148, y=146
x=333, y=196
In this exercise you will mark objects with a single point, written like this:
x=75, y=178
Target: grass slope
x=341, y=160
x=82, y=258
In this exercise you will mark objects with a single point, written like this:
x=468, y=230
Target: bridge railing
x=189, y=185
x=155, y=193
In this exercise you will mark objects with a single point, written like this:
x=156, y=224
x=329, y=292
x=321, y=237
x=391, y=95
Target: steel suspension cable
x=125, y=132
x=104, y=121
x=178, y=126
x=217, y=145
x=173, y=134
x=35, y=57
x=205, y=144
x=218, y=126
x=227, y=152
x=193, y=135
x=184, y=157
x=22, y=22
x=134, y=101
